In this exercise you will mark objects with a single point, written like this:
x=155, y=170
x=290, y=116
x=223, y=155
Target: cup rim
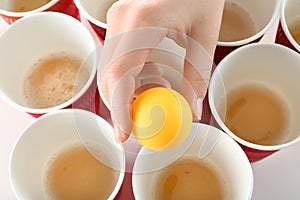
x=258, y=34
x=66, y=112
x=78, y=94
x=89, y=17
x=22, y=14
x=285, y=27
x=214, y=110
x=226, y=137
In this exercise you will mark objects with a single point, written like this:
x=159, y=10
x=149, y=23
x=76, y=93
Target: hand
x=197, y=19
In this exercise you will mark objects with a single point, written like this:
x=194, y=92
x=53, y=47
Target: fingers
x=194, y=87
x=150, y=69
x=199, y=59
x=125, y=53
x=120, y=136
x=149, y=77
x=122, y=97
x=197, y=70
x=123, y=61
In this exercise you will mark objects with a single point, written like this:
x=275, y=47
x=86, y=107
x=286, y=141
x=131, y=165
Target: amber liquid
x=74, y=174
x=190, y=179
x=257, y=114
x=54, y=80
x=295, y=31
x=26, y=5
x=237, y=24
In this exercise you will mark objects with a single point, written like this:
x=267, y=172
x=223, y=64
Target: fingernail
x=119, y=135
x=199, y=108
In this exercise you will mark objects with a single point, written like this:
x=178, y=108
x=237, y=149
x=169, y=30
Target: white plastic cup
x=63, y=6
x=95, y=12
x=205, y=143
x=264, y=14
x=51, y=133
x=272, y=65
x=34, y=37
x=289, y=14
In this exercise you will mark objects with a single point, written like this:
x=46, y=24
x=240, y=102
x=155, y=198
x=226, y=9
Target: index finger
x=123, y=58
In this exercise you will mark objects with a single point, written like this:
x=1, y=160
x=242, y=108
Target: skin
x=197, y=19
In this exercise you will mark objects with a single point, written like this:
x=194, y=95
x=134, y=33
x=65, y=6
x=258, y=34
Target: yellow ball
x=162, y=118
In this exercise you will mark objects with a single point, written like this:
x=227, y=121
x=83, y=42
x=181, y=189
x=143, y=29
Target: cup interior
x=9, y=7
x=95, y=11
x=263, y=14
x=21, y=47
x=53, y=132
x=289, y=15
x=275, y=66
x=204, y=142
